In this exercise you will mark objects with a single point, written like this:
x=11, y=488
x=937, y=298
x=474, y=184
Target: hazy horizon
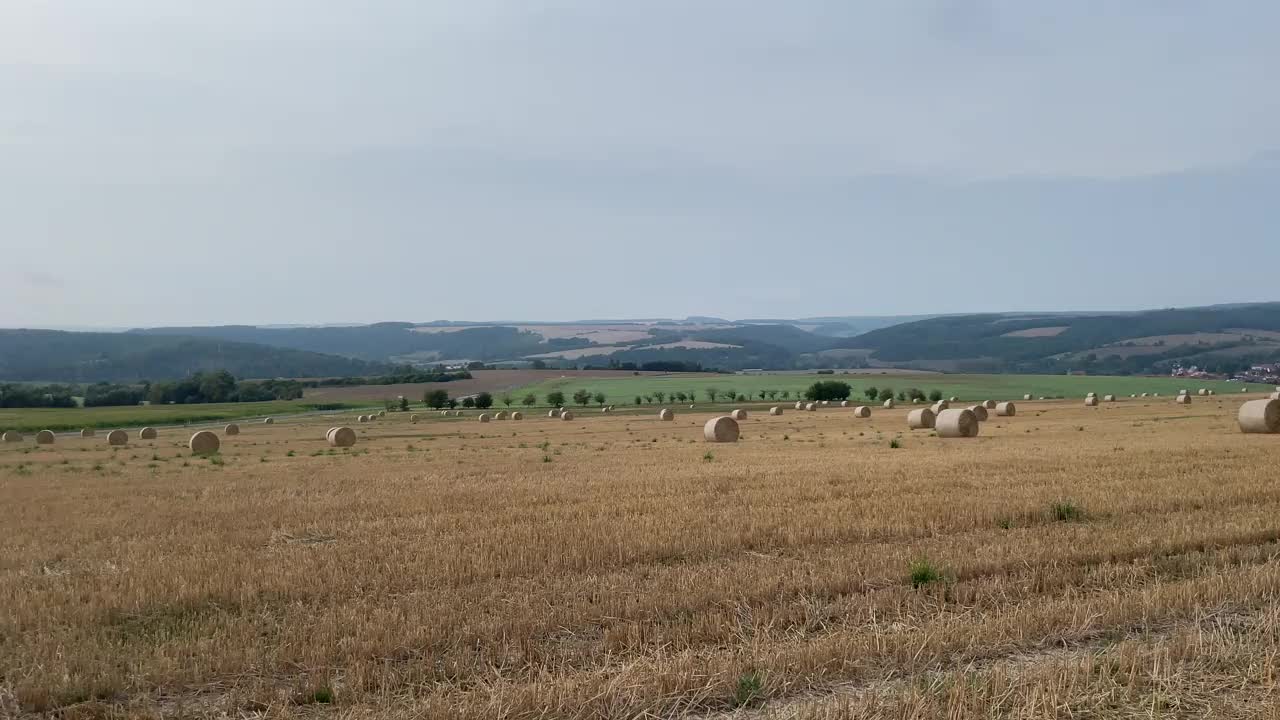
x=346, y=163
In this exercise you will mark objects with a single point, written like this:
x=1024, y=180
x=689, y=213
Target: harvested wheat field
x=1112, y=562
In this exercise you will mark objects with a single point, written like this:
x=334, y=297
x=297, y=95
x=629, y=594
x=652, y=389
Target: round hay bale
x=553, y=413
x=844, y=403
x=204, y=442
x=501, y=415
x=1211, y=392
x=920, y=419
x=1275, y=395
x=952, y=399
x=362, y=418
x=799, y=404
x=457, y=413
x=826, y=403
x=517, y=415
x=1144, y=394
x=1132, y=395
x=605, y=409
x=723, y=429
x=665, y=414
x=1108, y=398
x=87, y=433
x=738, y=414
x=1260, y=416
x=147, y=433
x=811, y=407
x=940, y=406
x=268, y=421
x=692, y=407
x=1006, y=409
x=775, y=410
x=1091, y=401
x=915, y=401
x=862, y=411
x=960, y=423
x=231, y=429
x=45, y=437
x=1089, y=395
x=445, y=413
x=1183, y=400
x=11, y=436
x=1202, y=392
x=341, y=437
x=1244, y=389
x=1155, y=394
x=484, y=417
x=1043, y=397
x=117, y=438
x=566, y=416
x=989, y=404
x=1183, y=391
x=980, y=412
x=1026, y=397
x=382, y=413
x=888, y=404
x=413, y=417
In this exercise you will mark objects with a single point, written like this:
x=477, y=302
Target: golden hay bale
x=484, y=417
x=1144, y=394
x=1133, y=395
x=862, y=411
x=1244, y=389
x=826, y=403
x=1183, y=391
x=566, y=415
x=1006, y=409
x=87, y=433
x=888, y=404
x=1091, y=401
x=1108, y=398
x=1092, y=394
x=775, y=410
x=989, y=404
x=1183, y=400
x=979, y=411
x=45, y=437
x=517, y=415
x=501, y=415
x=204, y=442
x=231, y=429
x=413, y=417
x=1275, y=395
x=665, y=414
x=738, y=414
x=811, y=407
x=799, y=404
x=721, y=430
x=1260, y=416
x=382, y=413
x=268, y=421
x=362, y=418
x=1202, y=391
x=921, y=419
x=960, y=423
x=952, y=399
x=147, y=433
x=1155, y=394
x=915, y=401
x=843, y=403
x=940, y=406
x=1211, y=392
x=11, y=436
x=692, y=407
x=117, y=437
x=553, y=413
x=605, y=409
x=445, y=413
x=1027, y=396
x=341, y=437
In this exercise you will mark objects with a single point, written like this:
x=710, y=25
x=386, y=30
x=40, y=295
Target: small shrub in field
x=1005, y=523
x=923, y=572
x=708, y=457
x=895, y=444
x=1067, y=511
x=750, y=688
x=290, y=454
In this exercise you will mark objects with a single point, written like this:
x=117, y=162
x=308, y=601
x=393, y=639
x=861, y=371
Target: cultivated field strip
x=615, y=566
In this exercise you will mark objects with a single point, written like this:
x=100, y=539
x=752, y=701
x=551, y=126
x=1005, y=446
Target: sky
x=313, y=161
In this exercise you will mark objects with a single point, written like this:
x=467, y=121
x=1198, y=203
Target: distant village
x=1267, y=374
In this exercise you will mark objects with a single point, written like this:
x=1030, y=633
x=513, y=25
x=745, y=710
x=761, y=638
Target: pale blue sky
x=295, y=161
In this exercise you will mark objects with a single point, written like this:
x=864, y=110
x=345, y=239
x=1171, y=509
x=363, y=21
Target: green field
x=59, y=419
x=622, y=391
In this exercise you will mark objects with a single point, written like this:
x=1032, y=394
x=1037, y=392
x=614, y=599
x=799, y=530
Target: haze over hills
x=1222, y=338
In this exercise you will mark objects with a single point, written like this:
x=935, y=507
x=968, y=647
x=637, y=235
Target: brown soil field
x=493, y=381
x=1113, y=562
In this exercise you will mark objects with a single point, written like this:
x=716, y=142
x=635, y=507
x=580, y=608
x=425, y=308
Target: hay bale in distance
x=952, y=399
x=799, y=404
x=11, y=436
x=382, y=413
x=979, y=412
x=517, y=415
x=204, y=442
x=1202, y=391
x=87, y=433
x=231, y=429
x=1260, y=416
x=362, y=418
x=888, y=404
x=268, y=421
x=1026, y=396
x=723, y=429
x=606, y=409
x=1091, y=401
x=1274, y=395
x=844, y=403
x=1183, y=400
x=738, y=414
x=341, y=437
x=501, y=415
x=117, y=438
x=566, y=416
x=45, y=437
x=666, y=414
x=921, y=419
x=811, y=407
x=940, y=406
x=959, y=423
x=147, y=433
x=413, y=417
x=775, y=410
x=826, y=403
x=989, y=404
x=1006, y=409
x=484, y=417
x=1108, y=398
x=553, y=413
x=862, y=411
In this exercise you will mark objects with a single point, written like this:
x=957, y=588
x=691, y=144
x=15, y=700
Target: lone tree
x=600, y=398
x=712, y=393
x=529, y=400
x=828, y=390
x=935, y=395
x=507, y=400
x=639, y=400
x=885, y=394
x=582, y=397
x=468, y=402
x=660, y=396
x=555, y=399
x=484, y=400
x=872, y=392
x=404, y=403
x=435, y=399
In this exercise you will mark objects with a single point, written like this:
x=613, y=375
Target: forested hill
x=51, y=355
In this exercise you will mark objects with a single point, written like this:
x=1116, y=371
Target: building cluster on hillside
x=1268, y=374
x=1192, y=372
